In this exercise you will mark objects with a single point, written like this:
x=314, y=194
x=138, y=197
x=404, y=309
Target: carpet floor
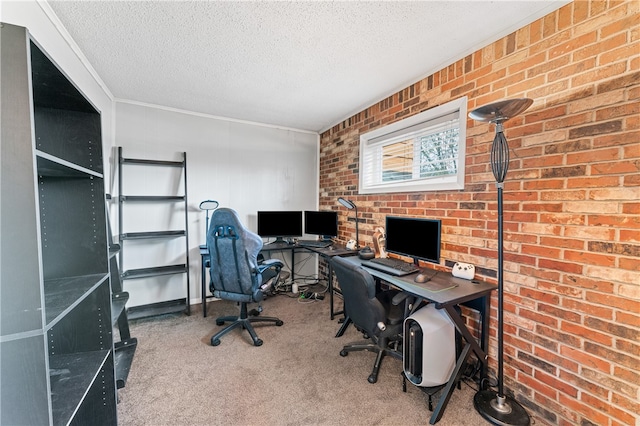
x=297, y=377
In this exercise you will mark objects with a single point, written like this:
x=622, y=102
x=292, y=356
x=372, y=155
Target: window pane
x=397, y=161
x=423, y=152
x=439, y=153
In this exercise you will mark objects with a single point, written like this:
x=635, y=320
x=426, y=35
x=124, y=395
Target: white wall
x=245, y=166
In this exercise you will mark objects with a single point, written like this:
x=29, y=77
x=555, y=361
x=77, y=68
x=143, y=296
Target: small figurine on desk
x=379, y=242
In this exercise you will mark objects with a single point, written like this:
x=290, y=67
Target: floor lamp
x=496, y=407
x=208, y=205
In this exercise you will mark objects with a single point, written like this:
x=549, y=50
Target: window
x=424, y=152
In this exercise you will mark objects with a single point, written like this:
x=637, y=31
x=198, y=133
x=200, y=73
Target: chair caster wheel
x=215, y=342
x=372, y=379
x=258, y=342
x=279, y=323
x=218, y=322
x=344, y=353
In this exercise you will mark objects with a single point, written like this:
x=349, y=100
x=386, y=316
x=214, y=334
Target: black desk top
x=330, y=251
x=463, y=291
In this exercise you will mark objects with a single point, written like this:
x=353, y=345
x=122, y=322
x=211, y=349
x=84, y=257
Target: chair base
x=244, y=322
x=380, y=352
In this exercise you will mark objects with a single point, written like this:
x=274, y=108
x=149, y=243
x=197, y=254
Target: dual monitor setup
x=288, y=224
x=417, y=238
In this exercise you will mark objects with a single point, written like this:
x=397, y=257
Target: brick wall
x=572, y=203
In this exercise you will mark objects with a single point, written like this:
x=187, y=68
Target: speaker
x=429, y=347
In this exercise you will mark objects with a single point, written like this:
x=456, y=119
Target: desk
x=325, y=252
x=475, y=296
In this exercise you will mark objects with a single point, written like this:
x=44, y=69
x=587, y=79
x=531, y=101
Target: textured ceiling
x=302, y=65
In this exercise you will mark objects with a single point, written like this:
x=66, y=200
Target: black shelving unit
x=155, y=203
x=57, y=354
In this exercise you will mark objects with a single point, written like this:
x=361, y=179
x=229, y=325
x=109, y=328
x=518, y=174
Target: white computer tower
x=429, y=349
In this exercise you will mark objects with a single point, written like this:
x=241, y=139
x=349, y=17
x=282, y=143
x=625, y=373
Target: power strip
x=311, y=295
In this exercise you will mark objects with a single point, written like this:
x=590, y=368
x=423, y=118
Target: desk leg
x=330, y=281
x=464, y=331
x=448, y=390
x=471, y=344
x=344, y=326
x=293, y=263
x=333, y=313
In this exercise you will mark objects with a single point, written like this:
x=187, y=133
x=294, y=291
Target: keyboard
x=314, y=243
x=391, y=266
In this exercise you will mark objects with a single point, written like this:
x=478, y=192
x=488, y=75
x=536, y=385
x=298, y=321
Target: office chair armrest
x=400, y=297
x=270, y=263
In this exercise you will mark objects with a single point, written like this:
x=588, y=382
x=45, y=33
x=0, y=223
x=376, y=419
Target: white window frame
x=371, y=144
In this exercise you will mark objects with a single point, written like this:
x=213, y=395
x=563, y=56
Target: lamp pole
x=496, y=407
x=357, y=232
x=208, y=205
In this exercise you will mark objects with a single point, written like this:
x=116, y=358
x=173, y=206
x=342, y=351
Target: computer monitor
x=417, y=238
x=324, y=223
x=279, y=224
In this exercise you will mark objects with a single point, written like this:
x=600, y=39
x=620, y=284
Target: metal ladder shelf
x=126, y=347
x=157, y=201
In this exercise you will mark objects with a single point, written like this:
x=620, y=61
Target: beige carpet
x=297, y=377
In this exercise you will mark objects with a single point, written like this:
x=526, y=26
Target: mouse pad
x=436, y=286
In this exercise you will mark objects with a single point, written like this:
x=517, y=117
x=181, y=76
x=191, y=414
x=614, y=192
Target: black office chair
x=235, y=271
x=378, y=316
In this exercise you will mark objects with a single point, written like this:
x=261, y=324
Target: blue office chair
x=378, y=315
x=235, y=271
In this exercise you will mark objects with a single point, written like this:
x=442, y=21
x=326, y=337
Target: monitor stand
x=279, y=241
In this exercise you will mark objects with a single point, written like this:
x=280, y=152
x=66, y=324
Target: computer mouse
x=421, y=278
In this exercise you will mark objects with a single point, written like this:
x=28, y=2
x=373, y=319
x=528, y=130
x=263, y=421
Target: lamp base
x=500, y=410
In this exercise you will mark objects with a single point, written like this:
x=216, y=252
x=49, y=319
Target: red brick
x=613, y=356
x=554, y=287
x=556, y=384
x=537, y=386
x=573, y=44
x=590, y=415
x=617, y=221
x=590, y=309
x=585, y=359
x=593, y=386
x=625, y=51
x=628, y=375
x=589, y=258
x=553, y=357
x=586, y=333
x=571, y=268
x=613, y=301
x=593, y=182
